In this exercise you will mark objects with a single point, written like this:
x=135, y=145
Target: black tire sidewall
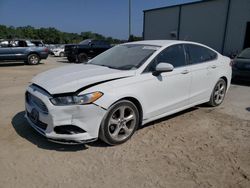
x=104, y=132
x=61, y=54
x=82, y=58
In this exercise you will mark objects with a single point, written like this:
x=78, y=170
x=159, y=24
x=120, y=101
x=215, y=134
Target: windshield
x=125, y=57
x=85, y=42
x=245, y=54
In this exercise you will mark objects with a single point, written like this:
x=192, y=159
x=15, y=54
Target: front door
x=169, y=91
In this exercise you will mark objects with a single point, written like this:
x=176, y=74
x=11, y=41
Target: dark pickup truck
x=85, y=50
x=22, y=50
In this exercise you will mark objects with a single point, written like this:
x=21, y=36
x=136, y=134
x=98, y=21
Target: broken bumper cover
x=46, y=118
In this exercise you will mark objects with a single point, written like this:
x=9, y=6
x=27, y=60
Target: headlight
x=76, y=99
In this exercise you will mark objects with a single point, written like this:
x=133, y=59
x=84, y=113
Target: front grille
x=38, y=123
x=36, y=101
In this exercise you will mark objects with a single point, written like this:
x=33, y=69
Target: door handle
x=213, y=66
x=185, y=72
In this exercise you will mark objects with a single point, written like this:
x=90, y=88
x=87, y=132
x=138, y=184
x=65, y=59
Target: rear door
x=203, y=65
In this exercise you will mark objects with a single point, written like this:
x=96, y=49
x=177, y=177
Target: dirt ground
x=200, y=147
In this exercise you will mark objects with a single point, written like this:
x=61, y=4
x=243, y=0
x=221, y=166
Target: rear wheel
x=120, y=123
x=33, y=59
x=218, y=93
x=82, y=58
x=61, y=54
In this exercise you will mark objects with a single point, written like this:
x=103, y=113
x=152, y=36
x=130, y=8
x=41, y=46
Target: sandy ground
x=200, y=147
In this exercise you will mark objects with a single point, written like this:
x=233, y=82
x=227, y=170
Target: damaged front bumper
x=71, y=124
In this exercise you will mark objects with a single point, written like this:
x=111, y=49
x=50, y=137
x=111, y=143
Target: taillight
x=46, y=49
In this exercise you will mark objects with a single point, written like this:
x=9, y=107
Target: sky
x=107, y=17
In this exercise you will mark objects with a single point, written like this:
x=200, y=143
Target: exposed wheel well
x=34, y=53
x=137, y=104
x=225, y=79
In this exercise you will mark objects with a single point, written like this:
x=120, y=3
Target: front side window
x=174, y=55
x=125, y=57
x=85, y=42
x=199, y=54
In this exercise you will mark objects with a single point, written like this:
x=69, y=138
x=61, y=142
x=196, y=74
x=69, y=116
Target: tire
x=82, y=58
x=218, y=94
x=33, y=59
x=119, y=123
x=71, y=59
x=61, y=54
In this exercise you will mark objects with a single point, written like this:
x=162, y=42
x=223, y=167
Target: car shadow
x=11, y=64
x=16, y=64
x=63, y=61
x=23, y=129
x=171, y=116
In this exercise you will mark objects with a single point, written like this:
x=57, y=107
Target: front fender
x=109, y=99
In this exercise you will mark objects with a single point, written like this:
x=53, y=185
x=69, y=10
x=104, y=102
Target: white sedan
x=123, y=88
x=58, y=52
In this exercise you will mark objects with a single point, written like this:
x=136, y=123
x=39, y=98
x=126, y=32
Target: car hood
x=71, y=78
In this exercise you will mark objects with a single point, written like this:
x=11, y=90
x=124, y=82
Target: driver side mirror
x=163, y=67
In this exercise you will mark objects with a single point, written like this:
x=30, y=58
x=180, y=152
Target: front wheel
x=218, y=93
x=33, y=59
x=120, y=123
x=82, y=58
x=61, y=54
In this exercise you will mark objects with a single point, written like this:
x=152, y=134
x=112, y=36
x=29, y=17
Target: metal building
x=221, y=24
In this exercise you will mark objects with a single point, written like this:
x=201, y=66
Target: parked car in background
x=50, y=47
x=241, y=65
x=20, y=49
x=85, y=50
x=58, y=51
x=128, y=85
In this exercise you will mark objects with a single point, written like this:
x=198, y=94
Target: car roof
x=162, y=42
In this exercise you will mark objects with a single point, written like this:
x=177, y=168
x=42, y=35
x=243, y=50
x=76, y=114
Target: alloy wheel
x=122, y=123
x=219, y=92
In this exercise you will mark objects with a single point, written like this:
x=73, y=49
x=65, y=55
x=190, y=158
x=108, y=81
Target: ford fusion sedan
x=123, y=88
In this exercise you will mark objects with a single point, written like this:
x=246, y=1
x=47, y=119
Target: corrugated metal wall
x=160, y=23
x=203, y=22
x=239, y=15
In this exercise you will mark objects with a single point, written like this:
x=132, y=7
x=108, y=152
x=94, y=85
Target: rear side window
x=199, y=54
